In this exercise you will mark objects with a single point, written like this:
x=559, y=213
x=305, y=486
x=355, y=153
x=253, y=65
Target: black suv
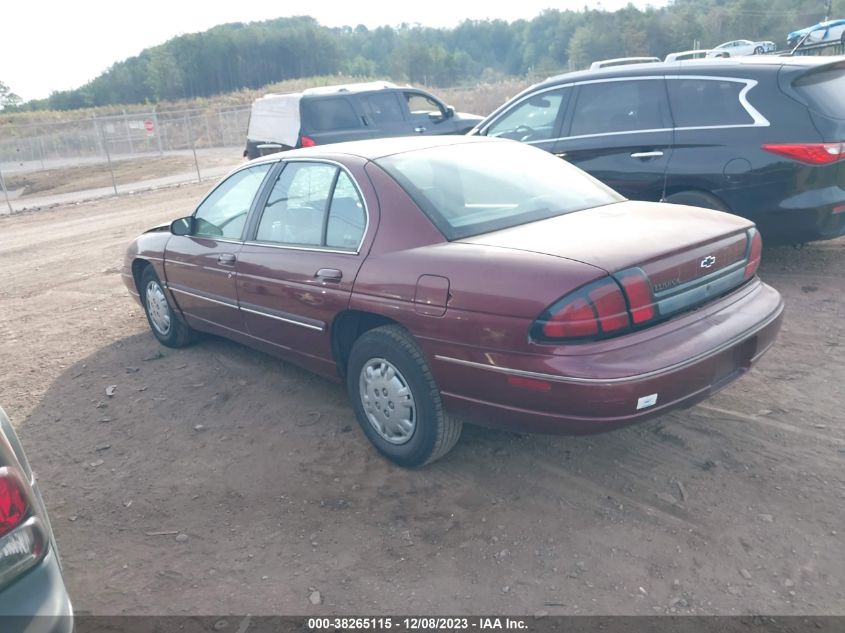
x=757, y=136
x=333, y=114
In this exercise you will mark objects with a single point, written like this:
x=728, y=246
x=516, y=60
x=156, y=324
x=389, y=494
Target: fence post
x=157, y=131
x=128, y=132
x=108, y=159
x=6, y=191
x=191, y=143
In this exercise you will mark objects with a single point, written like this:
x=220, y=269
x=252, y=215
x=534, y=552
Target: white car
x=830, y=31
x=738, y=48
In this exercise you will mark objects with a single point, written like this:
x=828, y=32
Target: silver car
x=32, y=589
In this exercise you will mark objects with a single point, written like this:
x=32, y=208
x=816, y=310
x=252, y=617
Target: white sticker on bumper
x=647, y=401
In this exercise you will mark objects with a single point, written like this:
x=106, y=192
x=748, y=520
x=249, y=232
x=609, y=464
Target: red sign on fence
x=150, y=127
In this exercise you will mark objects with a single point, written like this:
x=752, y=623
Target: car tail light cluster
x=755, y=251
x=810, y=153
x=614, y=305
x=597, y=310
x=307, y=141
x=23, y=540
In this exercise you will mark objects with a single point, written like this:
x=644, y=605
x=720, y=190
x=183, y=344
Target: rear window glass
x=707, y=102
x=620, y=106
x=824, y=91
x=331, y=114
x=474, y=188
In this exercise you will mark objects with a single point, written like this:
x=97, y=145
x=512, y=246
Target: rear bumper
x=37, y=602
x=809, y=220
x=678, y=364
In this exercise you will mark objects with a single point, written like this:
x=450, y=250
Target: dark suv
x=333, y=114
x=760, y=137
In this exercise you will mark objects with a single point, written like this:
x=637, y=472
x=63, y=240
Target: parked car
x=830, y=31
x=740, y=48
x=463, y=277
x=32, y=591
x=757, y=136
x=332, y=114
x=622, y=61
x=695, y=54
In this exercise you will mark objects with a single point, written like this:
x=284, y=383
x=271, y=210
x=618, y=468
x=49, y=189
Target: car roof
x=699, y=66
x=371, y=149
x=370, y=86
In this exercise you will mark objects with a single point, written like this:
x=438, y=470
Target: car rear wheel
x=396, y=400
x=758, y=50
x=164, y=323
x=697, y=199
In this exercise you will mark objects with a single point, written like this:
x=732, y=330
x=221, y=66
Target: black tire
x=177, y=334
x=434, y=432
x=697, y=199
x=758, y=50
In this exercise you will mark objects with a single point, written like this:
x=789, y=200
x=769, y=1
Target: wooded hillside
x=234, y=56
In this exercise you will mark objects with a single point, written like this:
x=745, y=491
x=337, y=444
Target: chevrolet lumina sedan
x=32, y=592
x=463, y=278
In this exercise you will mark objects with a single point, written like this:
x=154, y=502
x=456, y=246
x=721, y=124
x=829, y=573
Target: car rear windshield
x=475, y=188
x=823, y=90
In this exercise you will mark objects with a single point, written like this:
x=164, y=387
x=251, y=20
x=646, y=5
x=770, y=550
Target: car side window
x=419, y=103
x=533, y=119
x=383, y=107
x=707, y=102
x=296, y=208
x=347, y=218
x=336, y=113
x=223, y=213
x=620, y=106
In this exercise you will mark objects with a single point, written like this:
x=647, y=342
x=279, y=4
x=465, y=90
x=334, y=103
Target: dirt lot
x=220, y=480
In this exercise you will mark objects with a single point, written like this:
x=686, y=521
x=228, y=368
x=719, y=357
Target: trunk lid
x=687, y=254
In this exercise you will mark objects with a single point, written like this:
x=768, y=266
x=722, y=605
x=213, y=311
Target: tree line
x=235, y=56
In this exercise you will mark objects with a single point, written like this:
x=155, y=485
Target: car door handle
x=654, y=154
x=226, y=259
x=329, y=274
x=419, y=130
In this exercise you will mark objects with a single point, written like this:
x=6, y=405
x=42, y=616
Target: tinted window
x=296, y=209
x=474, y=188
x=620, y=106
x=223, y=212
x=331, y=114
x=704, y=102
x=533, y=119
x=383, y=107
x=346, y=215
x=823, y=91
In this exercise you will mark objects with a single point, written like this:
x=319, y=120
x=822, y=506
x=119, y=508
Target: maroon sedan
x=463, y=278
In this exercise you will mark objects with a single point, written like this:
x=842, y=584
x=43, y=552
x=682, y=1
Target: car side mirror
x=450, y=112
x=182, y=226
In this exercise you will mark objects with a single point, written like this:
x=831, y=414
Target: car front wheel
x=396, y=400
x=164, y=323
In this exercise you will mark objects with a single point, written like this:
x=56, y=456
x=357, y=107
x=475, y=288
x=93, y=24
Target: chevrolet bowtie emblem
x=708, y=261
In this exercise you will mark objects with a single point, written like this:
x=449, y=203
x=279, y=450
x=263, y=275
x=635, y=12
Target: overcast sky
x=57, y=45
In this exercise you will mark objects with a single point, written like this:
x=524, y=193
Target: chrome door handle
x=329, y=274
x=419, y=130
x=226, y=259
x=654, y=154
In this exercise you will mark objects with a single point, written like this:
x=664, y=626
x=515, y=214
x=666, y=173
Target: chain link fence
x=44, y=160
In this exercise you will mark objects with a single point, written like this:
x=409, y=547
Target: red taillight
x=638, y=290
x=307, y=141
x=810, y=153
x=13, y=504
x=755, y=250
x=594, y=310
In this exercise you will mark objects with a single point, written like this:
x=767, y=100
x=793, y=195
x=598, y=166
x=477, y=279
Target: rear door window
x=823, y=91
x=609, y=107
x=383, y=107
x=331, y=114
x=707, y=103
